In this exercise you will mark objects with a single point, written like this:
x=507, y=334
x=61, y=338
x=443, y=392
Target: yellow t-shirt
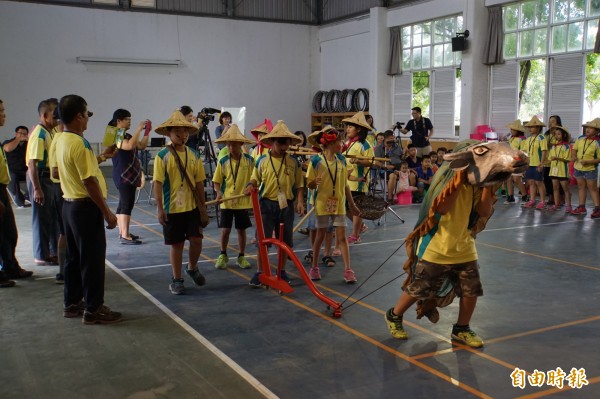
x=255, y=155
x=52, y=156
x=560, y=168
x=4, y=175
x=176, y=192
x=38, y=146
x=337, y=169
x=272, y=176
x=450, y=242
x=359, y=171
x=586, y=149
x=533, y=146
x=233, y=176
x=515, y=142
x=76, y=162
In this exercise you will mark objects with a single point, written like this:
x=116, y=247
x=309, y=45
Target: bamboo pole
x=225, y=199
x=304, y=218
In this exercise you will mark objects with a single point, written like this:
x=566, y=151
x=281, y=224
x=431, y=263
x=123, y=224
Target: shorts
x=273, y=216
x=533, y=173
x=429, y=278
x=423, y=151
x=241, y=216
x=182, y=226
x=310, y=223
x=587, y=175
x=330, y=221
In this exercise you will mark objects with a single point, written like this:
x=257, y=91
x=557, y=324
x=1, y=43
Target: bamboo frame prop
x=225, y=199
x=302, y=151
x=301, y=222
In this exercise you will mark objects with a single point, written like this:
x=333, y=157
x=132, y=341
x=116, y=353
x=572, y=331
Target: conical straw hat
x=516, y=125
x=175, y=120
x=595, y=124
x=263, y=128
x=234, y=134
x=358, y=119
x=315, y=138
x=534, y=122
x=281, y=131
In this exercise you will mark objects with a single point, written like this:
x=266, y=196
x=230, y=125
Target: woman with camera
x=224, y=123
x=127, y=169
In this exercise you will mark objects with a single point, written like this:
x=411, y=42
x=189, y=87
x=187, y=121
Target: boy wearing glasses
x=280, y=180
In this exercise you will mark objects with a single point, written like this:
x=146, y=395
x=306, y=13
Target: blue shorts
x=533, y=173
x=587, y=175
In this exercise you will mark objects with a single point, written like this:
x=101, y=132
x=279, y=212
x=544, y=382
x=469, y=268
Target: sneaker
x=467, y=337
x=553, y=208
x=568, y=209
x=353, y=239
x=20, y=273
x=394, y=323
x=510, y=200
x=349, y=276
x=303, y=231
x=59, y=279
x=196, y=276
x=242, y=262
x=595, y=214
x=26, y=203
x=176, y=287
x=540, y=205
x=7, y=283
x=284, y=276
x=529, y=204
x=580, y=210
x=101, y=316
x=222, y=262
x=254, y=281
x=524, y=198
x=129, y=241
x=314, y=273
x=73, y=310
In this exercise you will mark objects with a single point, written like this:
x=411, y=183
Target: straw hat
x=176, y=120
x=516, y=125
x=595, y=124
x=564, y=129
x=280, y=131
x=234, y=134
x=315, y=138
x=263, y=128
x=534, y=122
x=358, y=119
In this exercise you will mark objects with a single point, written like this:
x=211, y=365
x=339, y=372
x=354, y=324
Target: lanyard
x=585, y=147
x=333, y=177
x=237, y=168
x=532, y=142
x=277, y=173
x=184, y=170
x=351, y=144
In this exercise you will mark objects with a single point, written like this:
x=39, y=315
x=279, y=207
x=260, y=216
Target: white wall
x=263, y=66
x=345, y=51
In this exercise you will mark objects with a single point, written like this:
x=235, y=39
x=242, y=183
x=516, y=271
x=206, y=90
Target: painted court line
x=199, y=337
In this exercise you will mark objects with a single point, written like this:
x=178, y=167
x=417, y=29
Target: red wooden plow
x=284, y=251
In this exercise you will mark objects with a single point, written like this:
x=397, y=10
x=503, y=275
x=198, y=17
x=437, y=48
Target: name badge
x=179, y=197
x=282, y=199
x=554, y=171
x=331, y=205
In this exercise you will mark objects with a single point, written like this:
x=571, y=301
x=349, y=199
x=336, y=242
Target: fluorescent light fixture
x=127, y=61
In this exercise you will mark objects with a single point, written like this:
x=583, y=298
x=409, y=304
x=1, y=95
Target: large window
x=543, y=27
x=428, y=45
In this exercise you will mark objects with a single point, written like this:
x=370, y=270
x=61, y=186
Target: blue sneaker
x=176, y=287
x=255, y=282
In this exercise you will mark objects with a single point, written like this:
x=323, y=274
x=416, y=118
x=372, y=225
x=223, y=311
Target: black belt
x=84, y=199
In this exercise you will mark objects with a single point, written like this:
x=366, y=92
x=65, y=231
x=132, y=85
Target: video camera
x=398, y=125
x=206, y=115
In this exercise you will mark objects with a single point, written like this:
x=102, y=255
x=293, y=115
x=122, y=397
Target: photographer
x=421, y=130
x=15, y=150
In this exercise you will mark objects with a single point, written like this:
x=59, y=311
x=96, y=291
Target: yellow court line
x=539, y=256
x=555, y=390
x=544, y=329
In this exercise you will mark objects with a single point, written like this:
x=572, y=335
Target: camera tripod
x=207, y=152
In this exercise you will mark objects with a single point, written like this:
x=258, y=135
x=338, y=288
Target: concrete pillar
x=475, y=75
x=381, y=85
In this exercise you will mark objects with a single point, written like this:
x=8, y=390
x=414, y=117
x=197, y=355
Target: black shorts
x=182, y=226
x=241, y=216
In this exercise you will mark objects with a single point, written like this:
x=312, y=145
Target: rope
x=371, y=275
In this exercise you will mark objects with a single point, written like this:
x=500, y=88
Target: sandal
x=308, y=258
x=328, y=261
x=337, y=252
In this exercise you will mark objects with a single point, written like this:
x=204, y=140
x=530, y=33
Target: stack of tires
x=347, y=100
